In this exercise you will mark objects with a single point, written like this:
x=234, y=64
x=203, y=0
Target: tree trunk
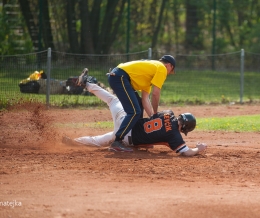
x=107, y=25
x=95, y=21
x=112, y=36
x=47, y=32
x=159, y=24
x=71, y=26
x=224, y=18
x=31, y=26
x=176, y=23
x=86, y=34
x=192, y=29
x=152, y=17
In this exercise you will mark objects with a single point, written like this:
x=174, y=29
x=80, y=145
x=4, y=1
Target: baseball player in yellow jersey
x=146, y=76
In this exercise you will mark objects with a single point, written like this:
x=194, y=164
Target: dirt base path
x=41, y=177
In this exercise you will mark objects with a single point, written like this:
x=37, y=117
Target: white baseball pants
x=117, y=113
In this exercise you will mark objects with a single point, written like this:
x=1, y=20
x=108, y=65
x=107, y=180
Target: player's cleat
x=118, y=146
x=81, y=80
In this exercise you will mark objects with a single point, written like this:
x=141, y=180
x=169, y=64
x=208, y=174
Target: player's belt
x=130, y=140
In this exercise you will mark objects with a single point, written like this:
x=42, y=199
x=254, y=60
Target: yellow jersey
x=145, y=73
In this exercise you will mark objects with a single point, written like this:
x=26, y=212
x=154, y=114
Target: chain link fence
x=223, y=78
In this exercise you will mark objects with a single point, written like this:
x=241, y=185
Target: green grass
x=186, y=87
x=94, y=125
x=248, y=123
x=199, y=87
x=63, y=101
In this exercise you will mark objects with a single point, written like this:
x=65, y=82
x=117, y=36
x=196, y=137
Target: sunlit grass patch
x=247, y=123
x=94, y=125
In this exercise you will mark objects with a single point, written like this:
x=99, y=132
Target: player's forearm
x=191, y=152
x=155, y=102
x=147, y=106
x=155, y=98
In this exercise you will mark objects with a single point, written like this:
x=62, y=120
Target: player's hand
x=110, y=73
x=153, y=116
x=201, y=146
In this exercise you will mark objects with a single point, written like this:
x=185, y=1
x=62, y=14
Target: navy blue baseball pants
x=119, y=81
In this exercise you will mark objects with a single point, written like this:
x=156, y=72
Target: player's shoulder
x=149, y=62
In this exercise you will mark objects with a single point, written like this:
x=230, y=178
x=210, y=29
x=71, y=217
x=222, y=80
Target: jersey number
x=153, y=125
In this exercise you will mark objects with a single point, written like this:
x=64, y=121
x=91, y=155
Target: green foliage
x=13, y=35
x=254, y=44
x=4, y=33
x=237, y=26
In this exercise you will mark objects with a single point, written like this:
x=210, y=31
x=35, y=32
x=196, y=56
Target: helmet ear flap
x=180, y=119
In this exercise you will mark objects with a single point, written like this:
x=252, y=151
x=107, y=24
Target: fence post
x=150, y=53
x=242, y=75
x=48, y=77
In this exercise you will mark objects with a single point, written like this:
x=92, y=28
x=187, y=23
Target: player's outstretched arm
x=193, y=151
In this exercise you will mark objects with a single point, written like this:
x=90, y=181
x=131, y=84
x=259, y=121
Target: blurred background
x=122, y=26
x=216, y=43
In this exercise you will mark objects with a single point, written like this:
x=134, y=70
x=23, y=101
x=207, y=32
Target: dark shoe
x=90, y=79
x=118, y=146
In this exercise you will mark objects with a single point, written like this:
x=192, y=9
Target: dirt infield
x=41, y=177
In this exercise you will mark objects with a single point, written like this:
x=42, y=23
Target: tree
x=30, y=22
x=47, y=31
x=87, y=45
x=176, y=22
x=159, y=23
x=192, y=36
x=109, y=26
x=99, y=26
x=34, y=24
x=71, y=26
